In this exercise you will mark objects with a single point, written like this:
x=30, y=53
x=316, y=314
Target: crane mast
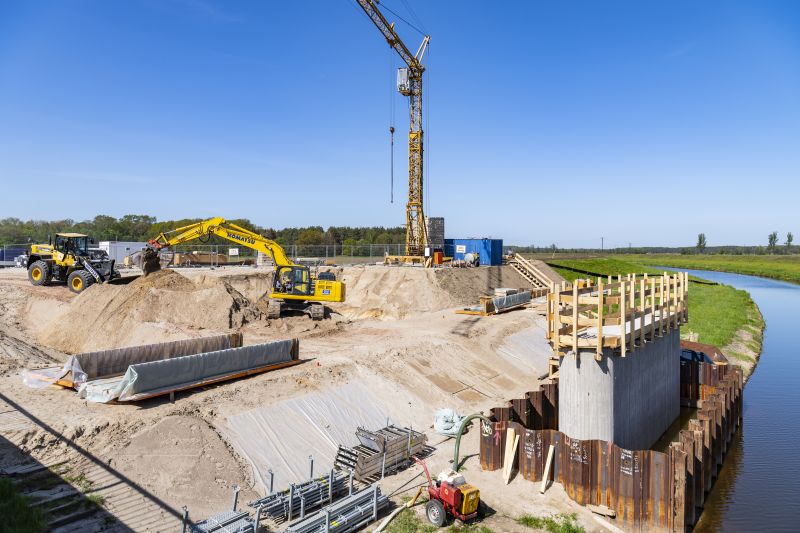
x=409, y=83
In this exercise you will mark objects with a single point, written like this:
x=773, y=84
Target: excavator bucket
x=150, y=261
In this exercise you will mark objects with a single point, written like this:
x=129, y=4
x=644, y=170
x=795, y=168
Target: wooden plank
x=600, y=291
x=623, y=316
x=548, y=464
x=512, y=439
x=575, y=321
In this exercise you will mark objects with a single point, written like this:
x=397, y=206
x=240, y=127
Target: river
x=758, y=488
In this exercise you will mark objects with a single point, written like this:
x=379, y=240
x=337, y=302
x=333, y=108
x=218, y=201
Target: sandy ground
x=397, y=334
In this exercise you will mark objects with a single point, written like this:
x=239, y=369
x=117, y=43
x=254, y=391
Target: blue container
x=9, y=253
x=490, y=251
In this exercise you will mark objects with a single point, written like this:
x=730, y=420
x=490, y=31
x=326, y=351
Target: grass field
x=718, y=314
x=783, y=267
x=16, y=514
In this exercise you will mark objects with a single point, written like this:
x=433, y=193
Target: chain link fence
x=192, y=255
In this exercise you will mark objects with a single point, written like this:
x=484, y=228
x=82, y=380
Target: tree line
x=773, y=246
x=140, y=228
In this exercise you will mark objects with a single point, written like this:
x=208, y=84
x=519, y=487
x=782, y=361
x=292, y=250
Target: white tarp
x=529, y=347
x=283, y=435
x=156, y=377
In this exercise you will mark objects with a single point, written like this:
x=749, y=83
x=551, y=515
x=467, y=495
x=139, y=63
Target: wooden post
x=557, y=323
x=642, y=310
x=547, y=465
x=652, y=308
x=599, y=354
x=623, y=313
x=686, y=307
x=575, y=320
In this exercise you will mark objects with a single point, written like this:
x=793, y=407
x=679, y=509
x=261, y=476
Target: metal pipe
x=235, y=497
x=271, y=480
x=185, y=519
x=302, y=506
x=310, y=467
x=291, y=501
x=330, y=486
x=350, y=491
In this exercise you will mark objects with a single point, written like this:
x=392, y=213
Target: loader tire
x=79, y=281
x=274, y=309
x=39, y=273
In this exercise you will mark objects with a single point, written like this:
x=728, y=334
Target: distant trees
x=140, y=228
x=789, y=240
x=701, y=243
x=773, y=242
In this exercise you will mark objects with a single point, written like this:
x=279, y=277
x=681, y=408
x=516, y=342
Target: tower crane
x=409, y=83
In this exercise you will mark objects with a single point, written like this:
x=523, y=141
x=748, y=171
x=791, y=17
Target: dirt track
x=396, y=334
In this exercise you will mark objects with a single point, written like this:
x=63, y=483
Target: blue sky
x=548, y=122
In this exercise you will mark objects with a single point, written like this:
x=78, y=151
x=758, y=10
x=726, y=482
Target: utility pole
x=602, y=247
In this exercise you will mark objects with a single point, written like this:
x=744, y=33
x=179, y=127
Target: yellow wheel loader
x=69, y=259
x=294, y=287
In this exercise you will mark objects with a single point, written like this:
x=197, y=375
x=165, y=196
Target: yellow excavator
x=294, y=287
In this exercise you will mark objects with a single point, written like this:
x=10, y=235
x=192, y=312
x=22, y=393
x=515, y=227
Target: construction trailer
x=119, y=250
x=489, y=251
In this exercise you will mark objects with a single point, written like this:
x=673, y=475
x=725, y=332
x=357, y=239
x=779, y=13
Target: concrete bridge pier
x=630, y=401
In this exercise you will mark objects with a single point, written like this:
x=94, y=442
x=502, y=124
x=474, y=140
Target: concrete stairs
x=538, y=273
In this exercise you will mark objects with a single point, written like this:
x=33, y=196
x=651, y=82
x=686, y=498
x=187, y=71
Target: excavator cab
x=292, y=280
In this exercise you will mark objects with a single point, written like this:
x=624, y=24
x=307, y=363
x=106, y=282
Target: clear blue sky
x=549, y=122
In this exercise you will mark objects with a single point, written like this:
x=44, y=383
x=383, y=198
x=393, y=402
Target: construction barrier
x=646, y=490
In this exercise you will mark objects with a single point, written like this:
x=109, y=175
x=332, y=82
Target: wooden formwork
x=621, y=314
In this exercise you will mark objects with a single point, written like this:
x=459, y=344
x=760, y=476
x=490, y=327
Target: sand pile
x=160, y=307
x=397, y=292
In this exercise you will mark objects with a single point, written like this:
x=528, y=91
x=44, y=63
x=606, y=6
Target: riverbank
x=780, y=267
x=718, y=314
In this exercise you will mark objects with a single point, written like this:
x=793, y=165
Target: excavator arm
x=227, y=230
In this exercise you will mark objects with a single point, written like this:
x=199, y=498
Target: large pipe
x=461, y=428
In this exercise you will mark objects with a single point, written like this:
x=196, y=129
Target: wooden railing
x=621, y=314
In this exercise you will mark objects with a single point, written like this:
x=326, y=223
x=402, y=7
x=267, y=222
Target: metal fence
x=227, y=254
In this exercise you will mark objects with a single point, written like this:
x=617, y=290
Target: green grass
x=554, y=524
x=716, y=312
x=16, y=513
x=408, y=521
x=782, y=267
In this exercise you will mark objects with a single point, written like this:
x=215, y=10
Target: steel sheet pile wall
x=700, y=380
x=701, y=448
x=537, y=410
x=648, y=490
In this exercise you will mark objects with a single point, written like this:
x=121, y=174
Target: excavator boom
x=293, y=286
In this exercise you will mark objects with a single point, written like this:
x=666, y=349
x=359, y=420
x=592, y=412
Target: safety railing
x=621, y=314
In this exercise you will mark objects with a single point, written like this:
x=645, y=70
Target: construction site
x=182, y=388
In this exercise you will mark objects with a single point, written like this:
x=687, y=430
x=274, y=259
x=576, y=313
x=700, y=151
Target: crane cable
x=391, y=126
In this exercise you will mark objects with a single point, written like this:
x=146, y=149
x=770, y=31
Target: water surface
x=759, y=485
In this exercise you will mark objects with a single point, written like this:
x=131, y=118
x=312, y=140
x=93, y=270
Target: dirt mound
x=162, y=306
x=397, y=292
x=466, y=285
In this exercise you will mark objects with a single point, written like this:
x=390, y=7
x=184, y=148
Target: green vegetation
x=554, y=524
x=16, y=513
x=782, y=267
x=408, y=521
x=716, y=312
x=143, y=227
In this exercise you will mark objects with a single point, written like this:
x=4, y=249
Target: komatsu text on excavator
x=294, y=287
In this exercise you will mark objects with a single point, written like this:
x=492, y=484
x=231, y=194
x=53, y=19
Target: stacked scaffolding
x=300, y=498
x=380, y=451
x=346, y=515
